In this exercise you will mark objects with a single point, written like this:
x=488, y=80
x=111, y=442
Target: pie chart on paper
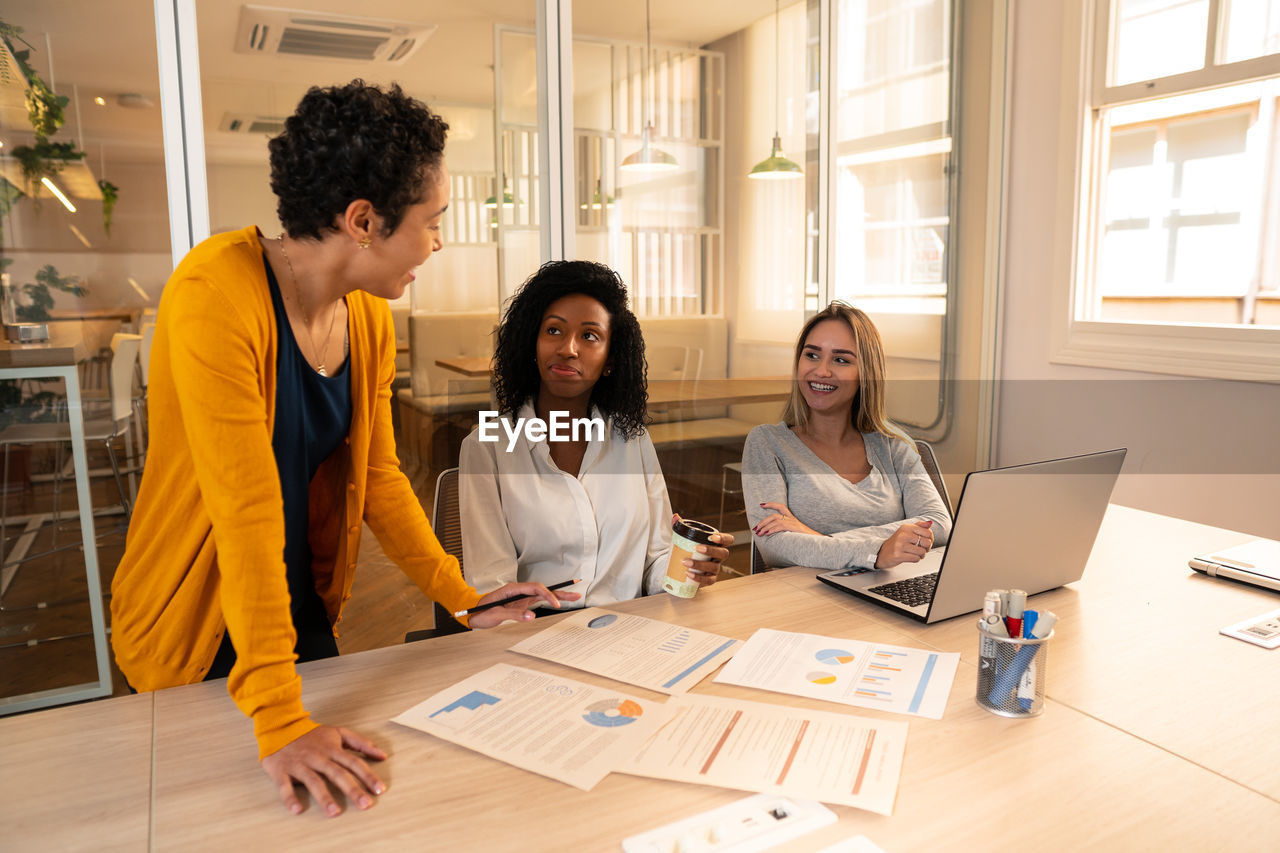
x=821, y=678
x=834, y=657
x=611, y=713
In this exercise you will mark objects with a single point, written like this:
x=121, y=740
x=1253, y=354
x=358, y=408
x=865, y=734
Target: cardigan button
x=354, y=530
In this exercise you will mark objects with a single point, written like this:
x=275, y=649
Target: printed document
x=644, y=652
x=865, y=675
x=570, y=731
x=812, y=755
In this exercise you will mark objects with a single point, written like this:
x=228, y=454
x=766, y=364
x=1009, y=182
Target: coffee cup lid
x=695, y=531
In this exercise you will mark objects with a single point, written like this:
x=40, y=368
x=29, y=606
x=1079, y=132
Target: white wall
x=1202, y=450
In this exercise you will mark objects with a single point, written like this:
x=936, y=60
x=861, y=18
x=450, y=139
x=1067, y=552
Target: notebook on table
x=1025, y=527
x=1256, y=563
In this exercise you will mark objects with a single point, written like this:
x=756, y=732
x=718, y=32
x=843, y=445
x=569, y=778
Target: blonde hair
x=867, y=413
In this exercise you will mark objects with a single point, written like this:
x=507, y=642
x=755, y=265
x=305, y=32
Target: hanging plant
x=110, y=195
x=9, y=194
x=46, y=110
x=44, y=159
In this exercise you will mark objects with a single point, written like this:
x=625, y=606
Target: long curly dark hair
x=623, y=394
x=349, y=142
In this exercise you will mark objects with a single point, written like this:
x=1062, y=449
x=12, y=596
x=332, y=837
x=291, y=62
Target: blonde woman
x=836, y=485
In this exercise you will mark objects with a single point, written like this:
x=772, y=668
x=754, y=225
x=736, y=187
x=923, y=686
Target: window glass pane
x=85, y=249
x=892, y=192
x=1189, y=187
x=1250, y=28
x=649, y=150
x=1155, y=38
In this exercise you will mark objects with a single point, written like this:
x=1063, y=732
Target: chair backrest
x=931, y=466
x=667, y=361
x=757, y=560
x=446, y=520
x=144, y=350
x=446, y=516
x=446, y=335
x=124, y=349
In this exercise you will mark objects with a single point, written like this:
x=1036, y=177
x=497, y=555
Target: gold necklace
x=306, y=321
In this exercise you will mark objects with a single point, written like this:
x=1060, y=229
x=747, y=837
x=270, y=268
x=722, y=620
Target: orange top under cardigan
x=205, y=546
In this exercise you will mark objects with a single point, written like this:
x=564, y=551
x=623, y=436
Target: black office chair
x=446, y=520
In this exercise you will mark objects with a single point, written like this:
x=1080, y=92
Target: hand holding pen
x=512, y=601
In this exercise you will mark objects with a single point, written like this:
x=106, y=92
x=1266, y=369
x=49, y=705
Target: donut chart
x=611, y=713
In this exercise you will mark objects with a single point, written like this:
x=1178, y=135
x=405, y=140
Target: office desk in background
x=468, y=365
x=58, y=358
x=1124, y=757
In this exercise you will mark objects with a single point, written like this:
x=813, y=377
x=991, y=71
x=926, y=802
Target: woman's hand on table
x=705, y=572
x=324, y=756
x=908, y=544
x=781, y=520
x=525, y=595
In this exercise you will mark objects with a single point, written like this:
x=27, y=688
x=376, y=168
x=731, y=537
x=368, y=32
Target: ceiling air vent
x=265, y=30
x=251, y=124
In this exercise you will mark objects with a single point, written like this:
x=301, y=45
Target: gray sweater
x=854, y=518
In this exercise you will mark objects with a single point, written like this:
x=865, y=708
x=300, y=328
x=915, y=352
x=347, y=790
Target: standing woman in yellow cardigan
x=270, y=419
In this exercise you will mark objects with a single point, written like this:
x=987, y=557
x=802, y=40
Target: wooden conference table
x=1157, y=734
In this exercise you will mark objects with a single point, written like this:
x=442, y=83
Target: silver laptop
x=1023, y=527
x=1256, y=563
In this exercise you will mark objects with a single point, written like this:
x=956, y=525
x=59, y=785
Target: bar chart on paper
x=866, y=675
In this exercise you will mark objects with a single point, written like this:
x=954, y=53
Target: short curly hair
x=623, y=394
x=348, y=142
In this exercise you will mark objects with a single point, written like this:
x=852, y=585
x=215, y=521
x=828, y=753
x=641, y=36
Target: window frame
x=1185, y=349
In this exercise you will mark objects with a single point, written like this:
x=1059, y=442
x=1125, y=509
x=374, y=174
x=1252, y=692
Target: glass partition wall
x=739, y=163
x=84, y=253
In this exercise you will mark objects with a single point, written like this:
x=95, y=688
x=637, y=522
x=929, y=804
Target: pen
x=503, y=601
x=1013, y=617
x=991, y=604
x=1029, y=619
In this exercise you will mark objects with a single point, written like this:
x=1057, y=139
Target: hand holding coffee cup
x=697, y=550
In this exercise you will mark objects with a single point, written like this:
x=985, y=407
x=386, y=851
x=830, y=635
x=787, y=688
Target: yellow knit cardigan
x=205, y=546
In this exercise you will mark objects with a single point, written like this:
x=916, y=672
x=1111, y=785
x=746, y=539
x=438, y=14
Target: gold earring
x=365, y=243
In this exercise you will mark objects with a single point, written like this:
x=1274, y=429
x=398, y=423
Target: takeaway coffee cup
x=686, y=536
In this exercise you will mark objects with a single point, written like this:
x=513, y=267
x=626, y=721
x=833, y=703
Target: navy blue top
x=313, y=416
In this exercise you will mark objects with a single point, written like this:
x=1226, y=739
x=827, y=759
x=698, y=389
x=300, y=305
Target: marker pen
x=1044, y=625
x=995, y=625
x=992, y=604
x=1029, y=618
x=1013, y=616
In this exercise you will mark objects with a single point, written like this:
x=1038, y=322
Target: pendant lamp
x=648, y=158
x=776, y=167
x=508, y=200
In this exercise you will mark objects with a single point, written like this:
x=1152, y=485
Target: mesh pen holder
x=1011, y=674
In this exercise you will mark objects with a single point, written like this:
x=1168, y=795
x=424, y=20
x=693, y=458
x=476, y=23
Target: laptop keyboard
x=912, y=592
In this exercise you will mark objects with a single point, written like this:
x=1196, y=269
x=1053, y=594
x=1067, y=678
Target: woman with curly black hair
x=593, y=505
x=269, y=408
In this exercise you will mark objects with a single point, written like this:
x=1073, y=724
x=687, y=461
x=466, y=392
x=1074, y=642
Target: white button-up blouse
x=525, y=519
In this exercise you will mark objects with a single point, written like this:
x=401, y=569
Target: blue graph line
x=918, y=699
x=709, y=656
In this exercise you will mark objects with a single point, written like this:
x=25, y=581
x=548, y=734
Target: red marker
x=1013, y=619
